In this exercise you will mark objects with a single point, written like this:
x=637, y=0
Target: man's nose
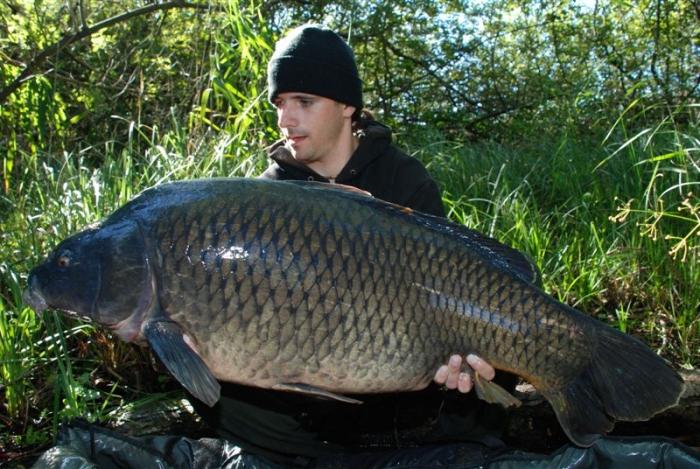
x=286, y=118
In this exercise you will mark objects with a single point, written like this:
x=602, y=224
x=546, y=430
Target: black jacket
x=290, y=427
x=377, y=167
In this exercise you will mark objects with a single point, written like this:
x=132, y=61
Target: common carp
x=310, y=288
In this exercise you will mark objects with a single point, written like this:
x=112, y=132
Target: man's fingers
x=452, y=380
x=441, y=374
x=481, y=367
x=465, y=382
x=455, y=364
x=452, y=376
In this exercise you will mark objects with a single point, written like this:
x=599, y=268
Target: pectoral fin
x=166, y=338
x=493, y=393
x=314, y=391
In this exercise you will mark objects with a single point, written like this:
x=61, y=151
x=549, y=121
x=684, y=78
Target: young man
x=314, y=85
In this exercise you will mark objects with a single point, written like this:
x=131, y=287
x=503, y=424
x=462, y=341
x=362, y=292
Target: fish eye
x=63, y=260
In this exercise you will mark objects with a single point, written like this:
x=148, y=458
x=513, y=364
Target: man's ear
x=348, y=110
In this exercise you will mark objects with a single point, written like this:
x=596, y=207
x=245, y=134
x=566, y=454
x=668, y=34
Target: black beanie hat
x=314, y=60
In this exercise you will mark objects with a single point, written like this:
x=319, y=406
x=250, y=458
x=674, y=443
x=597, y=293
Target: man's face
x=313, y=126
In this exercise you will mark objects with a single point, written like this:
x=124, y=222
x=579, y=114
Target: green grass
x=611, y=221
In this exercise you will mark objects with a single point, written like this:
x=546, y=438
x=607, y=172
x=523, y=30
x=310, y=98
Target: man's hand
x=452, y=376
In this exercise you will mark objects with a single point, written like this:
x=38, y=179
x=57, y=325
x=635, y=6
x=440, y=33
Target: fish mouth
x=37, y=302
x=32, y=297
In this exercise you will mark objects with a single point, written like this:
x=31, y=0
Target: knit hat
x=314, y=60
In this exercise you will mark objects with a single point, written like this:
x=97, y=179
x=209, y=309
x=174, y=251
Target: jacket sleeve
x=427, y=199
x=416, y=189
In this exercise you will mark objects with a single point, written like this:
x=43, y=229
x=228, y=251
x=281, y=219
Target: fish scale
x=311, y=288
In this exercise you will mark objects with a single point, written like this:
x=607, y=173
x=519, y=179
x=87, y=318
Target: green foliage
x=236, y=97
x=193, y=67
x=490, y=69
x=664, y=216
x=667, y=209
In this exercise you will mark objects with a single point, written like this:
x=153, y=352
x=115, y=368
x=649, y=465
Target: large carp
x=309, y=288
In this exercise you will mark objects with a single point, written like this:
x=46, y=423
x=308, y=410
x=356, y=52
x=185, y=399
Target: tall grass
x=611, y=221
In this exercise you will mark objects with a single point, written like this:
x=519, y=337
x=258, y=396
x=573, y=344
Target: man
x=314, y=85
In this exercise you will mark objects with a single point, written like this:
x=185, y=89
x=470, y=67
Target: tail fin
x=625, y=380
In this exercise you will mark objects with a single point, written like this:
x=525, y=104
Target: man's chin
x=294, y=152
x=301, y=157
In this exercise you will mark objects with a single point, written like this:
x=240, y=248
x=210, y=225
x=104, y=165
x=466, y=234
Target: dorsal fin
x=518, y=262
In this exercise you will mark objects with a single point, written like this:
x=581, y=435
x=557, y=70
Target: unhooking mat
x=85, y=446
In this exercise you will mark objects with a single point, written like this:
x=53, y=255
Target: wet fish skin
x=329, y=295
x=291, y=285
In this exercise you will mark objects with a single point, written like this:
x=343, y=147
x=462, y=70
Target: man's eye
x=306, y=102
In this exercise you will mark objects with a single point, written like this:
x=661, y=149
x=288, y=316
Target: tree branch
x=67, y=40
x=426, y=67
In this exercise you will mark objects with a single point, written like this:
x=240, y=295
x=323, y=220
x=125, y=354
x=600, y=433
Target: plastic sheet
x=85, y=446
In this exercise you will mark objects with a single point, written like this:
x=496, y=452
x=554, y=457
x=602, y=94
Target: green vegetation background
x=567, y=129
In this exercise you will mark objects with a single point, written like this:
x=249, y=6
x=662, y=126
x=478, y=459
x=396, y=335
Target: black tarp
x=81, y=446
